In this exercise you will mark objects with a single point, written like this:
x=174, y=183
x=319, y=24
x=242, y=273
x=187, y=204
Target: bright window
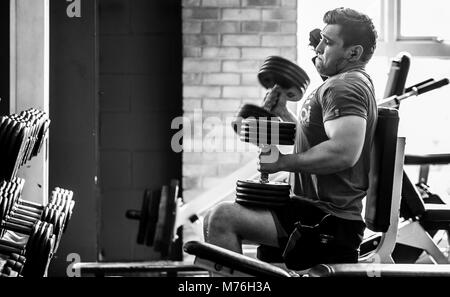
x=423, y=30
x=419, y=20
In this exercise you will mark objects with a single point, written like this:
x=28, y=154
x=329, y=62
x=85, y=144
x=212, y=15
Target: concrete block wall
x=139, y=95
x=224, y=44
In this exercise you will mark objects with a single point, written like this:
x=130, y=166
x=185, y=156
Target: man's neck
x=352, y=66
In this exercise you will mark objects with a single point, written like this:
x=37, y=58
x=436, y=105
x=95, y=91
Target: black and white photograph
x=225, y=147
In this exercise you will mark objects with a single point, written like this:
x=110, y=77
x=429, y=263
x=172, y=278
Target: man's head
x=348, y=39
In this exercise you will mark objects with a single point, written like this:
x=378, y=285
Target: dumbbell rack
x=29, y=232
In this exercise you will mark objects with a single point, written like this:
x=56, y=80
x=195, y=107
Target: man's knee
x=221, y=217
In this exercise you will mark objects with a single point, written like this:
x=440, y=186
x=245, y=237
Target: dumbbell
x=61, y=200
x=29, y=132
x=61, y=205
x=275, y=70
x=42, y=124
x=39, y=121
x=37, y=249
x=53, y=214
x=265, y=134
x=8, y=271
x=13, y=266
x=50, y=215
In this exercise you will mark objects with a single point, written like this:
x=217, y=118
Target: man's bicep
x=348, y=133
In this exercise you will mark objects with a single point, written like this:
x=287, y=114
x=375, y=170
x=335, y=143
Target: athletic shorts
x=349, y=232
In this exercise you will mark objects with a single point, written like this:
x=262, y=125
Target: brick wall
x=224, y=44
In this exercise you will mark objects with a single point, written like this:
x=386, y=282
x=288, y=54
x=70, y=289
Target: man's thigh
x=251, y=224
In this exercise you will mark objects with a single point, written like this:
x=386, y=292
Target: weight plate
x=153, y=217
x=268, y=142
x=252, y=110
x=258, y=203
x=49, y=248
x=268, y=123
x=45, y=214
x=17, y=257
x=46, y=248
x=32, y=249
x=51, y=217
x=40, y=248
x=273, y=73
x=255, y=184
x=262, y=192
x=58, y=229
x=271, y=137
x=276, y=129
x=69, y=214
x=270, y=76
x=142, y=230
x=14, y=265
x=252, y=197
x=158, y=243
x=261, y=137
x=300, y=76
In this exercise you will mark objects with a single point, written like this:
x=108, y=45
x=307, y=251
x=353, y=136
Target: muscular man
x=330, y=163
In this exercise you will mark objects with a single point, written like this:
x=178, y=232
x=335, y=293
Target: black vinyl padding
x=379, y=197
x=233, y=260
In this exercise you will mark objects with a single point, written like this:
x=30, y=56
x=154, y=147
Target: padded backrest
x=397, y=75
x=381, y=175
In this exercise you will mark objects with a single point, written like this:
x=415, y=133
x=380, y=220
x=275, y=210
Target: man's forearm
x=324, y=158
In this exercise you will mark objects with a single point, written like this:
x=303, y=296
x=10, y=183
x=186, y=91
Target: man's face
x=331, y=54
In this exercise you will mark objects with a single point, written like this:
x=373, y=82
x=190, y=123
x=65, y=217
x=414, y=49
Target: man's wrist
x=281, y=162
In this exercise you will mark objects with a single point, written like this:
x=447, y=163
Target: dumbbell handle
x=264, y=177
x=20, y=222
x=23, y=217
x=30, y=214
x=16, y=227
x=31, y=204
x=30, y=209
x=38, y=208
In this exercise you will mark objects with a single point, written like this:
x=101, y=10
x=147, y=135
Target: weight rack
x=30, y=233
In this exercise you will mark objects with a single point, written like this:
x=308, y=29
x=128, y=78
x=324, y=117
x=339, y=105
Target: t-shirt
x=340, y=193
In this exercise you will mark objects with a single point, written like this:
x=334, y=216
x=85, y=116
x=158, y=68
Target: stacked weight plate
x=251, y=111
x=265, y=132
x=262, y=192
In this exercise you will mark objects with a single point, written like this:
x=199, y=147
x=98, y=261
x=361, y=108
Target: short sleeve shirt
x=340, y=193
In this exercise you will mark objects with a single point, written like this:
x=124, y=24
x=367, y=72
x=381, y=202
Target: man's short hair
x=356, y=29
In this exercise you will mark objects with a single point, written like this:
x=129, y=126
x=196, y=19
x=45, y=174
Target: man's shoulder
x=351, y=81
x=350, y=78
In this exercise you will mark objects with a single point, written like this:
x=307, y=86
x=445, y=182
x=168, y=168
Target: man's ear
x=354, y=53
